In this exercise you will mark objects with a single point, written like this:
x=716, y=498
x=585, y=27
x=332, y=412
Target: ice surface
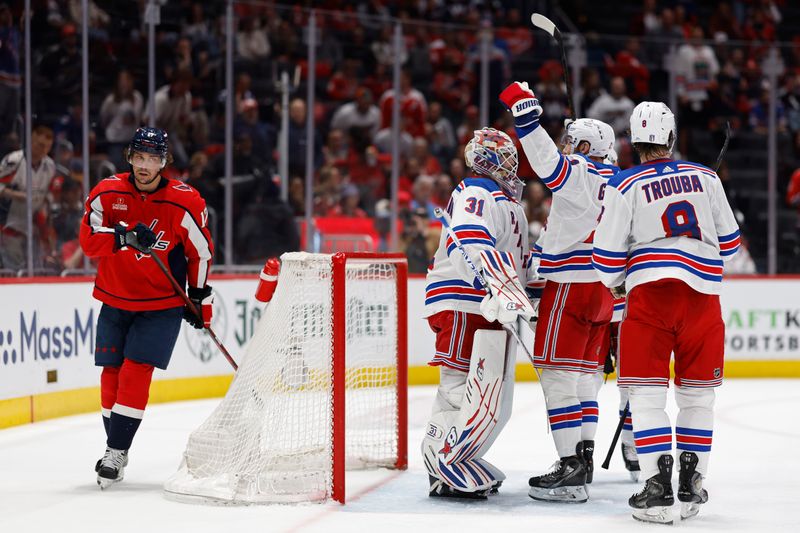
x=47, y=481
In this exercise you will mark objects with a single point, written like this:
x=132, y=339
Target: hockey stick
x=617, y=433
x=724, y=146
x=445, y=220
x=544, y=23
x=193, y=307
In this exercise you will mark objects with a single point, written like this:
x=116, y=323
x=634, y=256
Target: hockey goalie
x=485, y=241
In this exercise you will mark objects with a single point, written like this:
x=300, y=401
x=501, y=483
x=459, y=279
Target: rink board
x=47, y=333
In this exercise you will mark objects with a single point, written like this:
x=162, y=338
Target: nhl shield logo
x=717, y=372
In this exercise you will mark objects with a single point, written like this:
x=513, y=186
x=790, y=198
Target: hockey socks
x=132, y=394
x=109, y=382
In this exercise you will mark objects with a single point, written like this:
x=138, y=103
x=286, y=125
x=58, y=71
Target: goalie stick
x=191, y=305
x=544, y=23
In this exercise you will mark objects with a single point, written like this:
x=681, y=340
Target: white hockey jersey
x=482, y=217
x=564, y=249
x=665, y=219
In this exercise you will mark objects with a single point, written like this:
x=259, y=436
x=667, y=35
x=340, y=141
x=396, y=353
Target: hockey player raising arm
x=128, y=217
x=575, y=308
x=475, y=355
x=665, y=231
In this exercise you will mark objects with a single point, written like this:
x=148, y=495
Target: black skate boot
x=631, y=459
x=112, y=467
x=652, y=503
x=691, y=493
x=588, y=460
x=99, y=461
x=566, y=483
x=439, y=489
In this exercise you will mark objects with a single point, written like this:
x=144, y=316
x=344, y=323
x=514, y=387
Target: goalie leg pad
x=469, y=412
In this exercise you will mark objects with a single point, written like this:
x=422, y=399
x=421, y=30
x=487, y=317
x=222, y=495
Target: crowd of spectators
x=438, y=99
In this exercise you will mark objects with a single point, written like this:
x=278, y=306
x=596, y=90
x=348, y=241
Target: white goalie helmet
x=492, y=153
x=654, y=123
x=598, y=134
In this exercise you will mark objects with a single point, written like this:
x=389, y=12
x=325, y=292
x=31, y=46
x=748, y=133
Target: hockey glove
x=618, y=291
x=140, y=238
x=523, y=104
x=506, y=299
x=203, y=300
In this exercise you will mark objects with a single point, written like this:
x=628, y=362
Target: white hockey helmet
x=598, y=134
x=492, y=153
x=654, y=123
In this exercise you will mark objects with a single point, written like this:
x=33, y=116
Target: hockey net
x=321, y=388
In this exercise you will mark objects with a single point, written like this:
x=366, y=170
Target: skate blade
x=689, y=510
x=560, y=494
x=654, y=515
x=105, y=482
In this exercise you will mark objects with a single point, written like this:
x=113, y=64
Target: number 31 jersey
x=665, y=219
x=482, y=217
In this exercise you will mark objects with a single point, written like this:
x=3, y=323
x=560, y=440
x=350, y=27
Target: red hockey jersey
x=176, y=213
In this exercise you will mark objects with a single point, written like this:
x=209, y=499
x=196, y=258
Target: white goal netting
x=270, y=439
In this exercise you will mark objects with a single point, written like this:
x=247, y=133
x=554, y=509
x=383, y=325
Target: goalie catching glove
x=203, y=300
x=506, y=298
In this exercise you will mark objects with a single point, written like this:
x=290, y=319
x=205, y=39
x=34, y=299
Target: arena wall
x=47, y=330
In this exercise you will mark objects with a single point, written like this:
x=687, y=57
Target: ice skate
x=440, y=489
x=566, y=483
x=112, y=467
x=631, y=460
x=691, y=493
x=652, y=503
x=99, y=461
x=588, y=460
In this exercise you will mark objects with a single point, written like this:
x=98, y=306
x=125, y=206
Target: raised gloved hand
x=523, y=104
x=140, y=238
x=203, y=300
x=506, y=299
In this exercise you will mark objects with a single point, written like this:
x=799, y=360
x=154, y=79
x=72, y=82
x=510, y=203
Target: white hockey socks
x=563, y=409
x=588, y=387
x=695, y=423
x=652, y=432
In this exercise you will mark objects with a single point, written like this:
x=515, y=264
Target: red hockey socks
x=109, y=380
x=133, y=390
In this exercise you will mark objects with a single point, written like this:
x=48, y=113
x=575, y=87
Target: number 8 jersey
x=665, y=219
x=482, y=217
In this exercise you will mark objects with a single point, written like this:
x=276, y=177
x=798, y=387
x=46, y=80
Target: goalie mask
x=492, y=153
x=599, y=135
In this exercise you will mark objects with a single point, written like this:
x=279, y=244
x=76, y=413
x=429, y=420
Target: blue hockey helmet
x=150, y=141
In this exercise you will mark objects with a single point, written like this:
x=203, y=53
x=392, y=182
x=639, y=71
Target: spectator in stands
x=173, y=110
x=697, y=68
x=360, y=113
x=759, y=113
x=551, y=89
x=429, y=165
x=723, y=23
x=419, y=57
x=418, y=241
x=266, y=228
x=413, y=107
x=252, y=43
x=10, y=79
x=13, y=198
x=59, y=73
x=515, y=32
x=791, y=104
x=120, y=115
x=297, y=199
x=298, y=139
x=261, y=133
x=442, y=190
x=648, y=20
x=629, y=64
x=383, y=48
x=422, y=195
x=348, y=204
x=537, y=207
x=466, y=129
x=327, y=192
x=440, y=133
x=383, y=139
x=591, y=88
x=65, y=218
x=793, y=194
x=336, y=148
x=344, y=83
x=661, y=37
x=613, y=108
x=197, y=27
x=499, y=68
